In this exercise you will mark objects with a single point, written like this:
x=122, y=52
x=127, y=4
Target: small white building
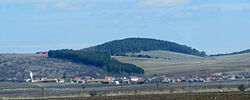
x=134, y=78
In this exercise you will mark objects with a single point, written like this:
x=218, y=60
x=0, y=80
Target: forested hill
x=234, y=53
x=135, y=45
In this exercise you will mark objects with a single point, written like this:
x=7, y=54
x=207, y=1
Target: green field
x=171, y=62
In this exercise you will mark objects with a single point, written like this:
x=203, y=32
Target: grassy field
x=174, y=56
x=170, y=62
x=245, y=57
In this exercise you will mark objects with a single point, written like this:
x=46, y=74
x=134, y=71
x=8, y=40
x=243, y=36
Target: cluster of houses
x=91, y=80
x=206, y=77
x=139, y=80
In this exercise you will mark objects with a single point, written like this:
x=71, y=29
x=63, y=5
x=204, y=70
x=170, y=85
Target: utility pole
x=83, y=87
x=42, y=91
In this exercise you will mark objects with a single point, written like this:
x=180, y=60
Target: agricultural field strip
x=130, y=89
x=151, y=65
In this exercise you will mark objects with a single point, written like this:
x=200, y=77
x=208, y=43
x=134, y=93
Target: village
x=206, y=77
x=160, y=78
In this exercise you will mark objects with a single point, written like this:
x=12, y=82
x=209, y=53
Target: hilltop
x=135, y=45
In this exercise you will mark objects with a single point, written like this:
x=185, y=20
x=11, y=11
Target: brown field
x=127, y=92
x=181, y=96
x=188, y=64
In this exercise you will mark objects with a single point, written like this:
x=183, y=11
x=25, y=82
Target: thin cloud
x=66, y=6
x=225, y=7
x=73, y=5
x=161, y=3
x=41, y=7
x=200, y=10
x=116, y=21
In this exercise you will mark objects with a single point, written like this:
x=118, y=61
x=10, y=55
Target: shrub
x=242, y=87
x=92, y=93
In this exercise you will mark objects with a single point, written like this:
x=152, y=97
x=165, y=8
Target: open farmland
x=244, y=57
x=181, y=96
x=95, y=92
x=169, y=62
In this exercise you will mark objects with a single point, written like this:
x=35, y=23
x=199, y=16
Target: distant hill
x=131, y=56
x=234, y=53
x=135, y=45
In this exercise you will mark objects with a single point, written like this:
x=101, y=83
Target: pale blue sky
x=214, y=26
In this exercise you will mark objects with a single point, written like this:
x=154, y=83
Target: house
x=75, y=80
x=1, y=79
x=140, y=81
x=208, y=78
x=61, y=80
x=96, y=81
x=134, y=78
x=36, y=79
x=155, y=77
x=49, y=80
x=184, y=80
x=125, y=81
x=190, y=80
x=207, y=74
x=200, y=80
x=178, y=80
x=116, y=82
x=232, y=77
x=109, y=78
x=166, y=80
x=217, y=74
x=82, y=81
x=87, y=78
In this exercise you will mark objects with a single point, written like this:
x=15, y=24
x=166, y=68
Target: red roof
x=207, y=74
x=52, y=79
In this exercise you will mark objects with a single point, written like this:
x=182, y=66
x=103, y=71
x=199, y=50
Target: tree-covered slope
x=100, y=59
x=234, y=53
x=135, y=45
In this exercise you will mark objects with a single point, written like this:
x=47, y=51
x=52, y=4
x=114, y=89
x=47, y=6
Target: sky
x=214, y=26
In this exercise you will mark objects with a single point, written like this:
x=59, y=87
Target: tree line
x=234, y=53
x=102, y=60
